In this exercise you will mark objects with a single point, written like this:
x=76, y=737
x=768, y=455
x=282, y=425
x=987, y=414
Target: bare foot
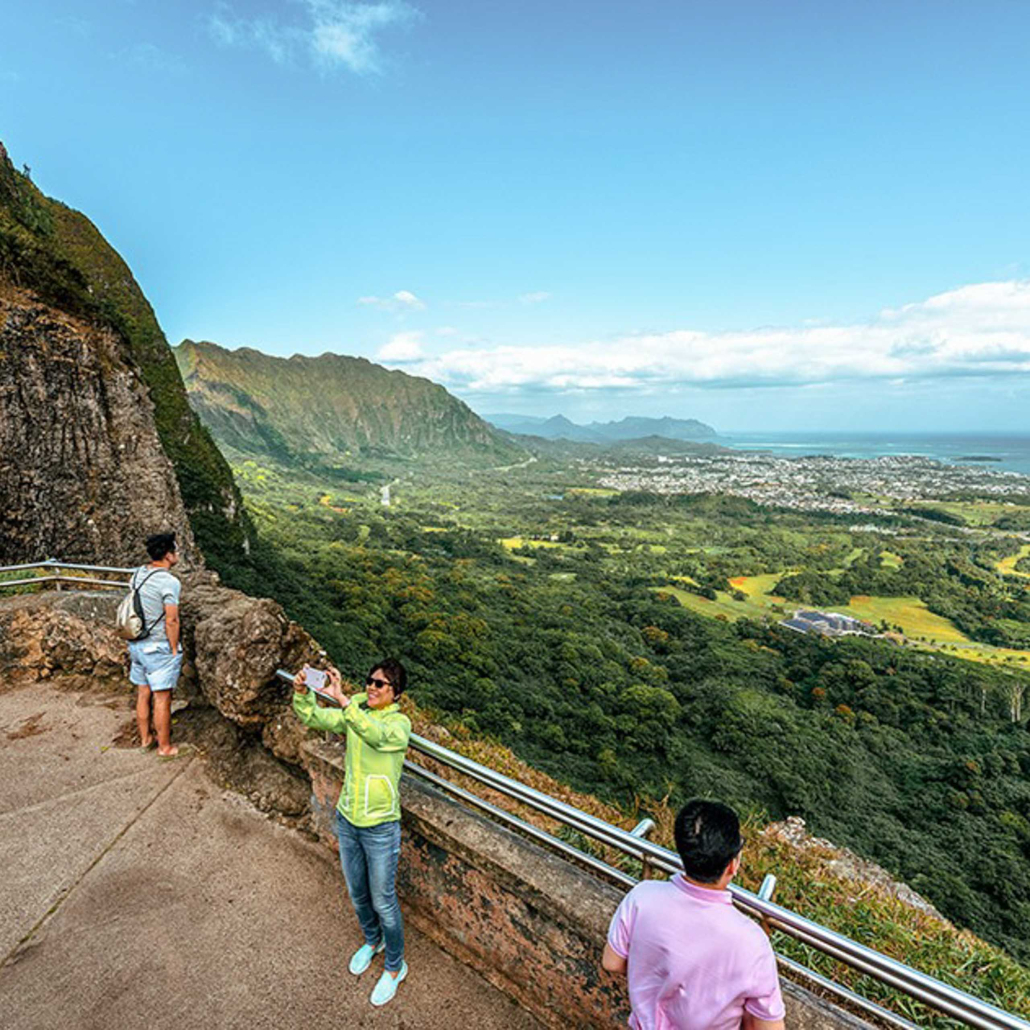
x=147, y=743
x=169, y=752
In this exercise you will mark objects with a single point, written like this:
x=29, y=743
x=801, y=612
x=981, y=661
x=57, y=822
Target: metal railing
x=53, y=573
x=951, y=1001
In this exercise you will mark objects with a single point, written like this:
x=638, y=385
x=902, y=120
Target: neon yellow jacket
x=376, y=742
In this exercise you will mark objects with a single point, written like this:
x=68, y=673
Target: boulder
x=68, y=635
x=236, y=643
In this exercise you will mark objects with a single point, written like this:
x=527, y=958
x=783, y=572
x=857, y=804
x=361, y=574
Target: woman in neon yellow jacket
x=368, y=813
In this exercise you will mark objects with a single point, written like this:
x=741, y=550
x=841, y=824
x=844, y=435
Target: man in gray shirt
x=156, y=658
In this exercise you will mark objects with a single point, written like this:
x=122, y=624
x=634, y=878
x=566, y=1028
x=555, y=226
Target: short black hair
x=707, y=838
x=392, y=669
x=159, y=545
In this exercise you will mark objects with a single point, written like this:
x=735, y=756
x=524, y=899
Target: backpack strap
x=147, y=630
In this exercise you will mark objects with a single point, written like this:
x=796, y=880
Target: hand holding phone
x=314, y=678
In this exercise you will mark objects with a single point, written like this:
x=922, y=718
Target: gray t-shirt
x=160, y=588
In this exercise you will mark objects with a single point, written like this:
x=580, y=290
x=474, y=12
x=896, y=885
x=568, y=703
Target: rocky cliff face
x=98, y=444
x=83, y=475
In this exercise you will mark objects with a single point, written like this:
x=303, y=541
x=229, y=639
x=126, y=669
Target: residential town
x=811, y=483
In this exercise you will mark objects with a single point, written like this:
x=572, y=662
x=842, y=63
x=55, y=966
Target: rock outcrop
x=82, y=470
x=64, y=636
x=846, y=864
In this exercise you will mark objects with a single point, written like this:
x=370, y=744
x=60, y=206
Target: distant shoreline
x=1009, y=453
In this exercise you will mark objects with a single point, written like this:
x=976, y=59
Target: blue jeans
x=368, y=855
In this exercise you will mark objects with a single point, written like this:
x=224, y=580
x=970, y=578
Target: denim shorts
x=153, y=664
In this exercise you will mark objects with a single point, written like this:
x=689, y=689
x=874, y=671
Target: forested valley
x=629, y=644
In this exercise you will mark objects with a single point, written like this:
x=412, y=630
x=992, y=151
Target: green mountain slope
x=60, y=256
x=330, y=408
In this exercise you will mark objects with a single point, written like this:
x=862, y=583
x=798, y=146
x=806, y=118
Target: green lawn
x=512, y=543
x=914, y=618
x=1007, y=566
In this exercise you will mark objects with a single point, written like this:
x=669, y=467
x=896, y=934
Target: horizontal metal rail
x=845, y=993
x=79, y=580
x=950, y=1000
x=528, y=829
x=53, y=563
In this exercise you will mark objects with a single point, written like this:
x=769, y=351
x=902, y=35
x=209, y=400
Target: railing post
x=765, y=892
x=642, y=829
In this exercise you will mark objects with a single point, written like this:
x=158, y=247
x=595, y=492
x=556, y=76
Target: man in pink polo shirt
x=693, y=961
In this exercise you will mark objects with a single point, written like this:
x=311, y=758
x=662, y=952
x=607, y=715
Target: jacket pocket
x=379, y=796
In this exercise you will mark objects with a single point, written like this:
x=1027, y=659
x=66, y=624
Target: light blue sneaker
x=387, y=986
x=362, y=958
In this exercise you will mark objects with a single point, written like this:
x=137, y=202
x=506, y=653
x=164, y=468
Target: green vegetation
x=955, y=580
x=805, y=884
x=595, y=657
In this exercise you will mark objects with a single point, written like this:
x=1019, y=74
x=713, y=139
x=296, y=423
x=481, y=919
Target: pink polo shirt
x=693, y=961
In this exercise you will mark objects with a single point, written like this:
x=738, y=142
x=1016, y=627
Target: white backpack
x=130, y=623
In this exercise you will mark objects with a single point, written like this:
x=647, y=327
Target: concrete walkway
x=136, y=893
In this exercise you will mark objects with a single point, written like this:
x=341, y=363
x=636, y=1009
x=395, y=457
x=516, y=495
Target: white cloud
x=402, y=300
x=329, y=33
x=534, y=298
x=977, y=330
x=401, y=348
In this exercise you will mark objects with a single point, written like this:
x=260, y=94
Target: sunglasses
x=381, y=684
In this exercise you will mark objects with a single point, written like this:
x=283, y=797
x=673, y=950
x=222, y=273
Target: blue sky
x=768, y=216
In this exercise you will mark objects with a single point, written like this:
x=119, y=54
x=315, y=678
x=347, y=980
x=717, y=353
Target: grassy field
x=757, y=588
x=590, y=491
x=685, y=579
x=856, y=553
x=512, y=543
x=914, y=618
x=974, y=652
x=920, y=626
x=1007, y=566
x=724, y=606
x=972, y=513
x=890, y=560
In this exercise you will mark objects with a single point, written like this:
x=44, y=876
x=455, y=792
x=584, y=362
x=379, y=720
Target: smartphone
x=314, y=678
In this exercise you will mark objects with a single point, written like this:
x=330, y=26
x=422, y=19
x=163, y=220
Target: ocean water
x=1011, y=453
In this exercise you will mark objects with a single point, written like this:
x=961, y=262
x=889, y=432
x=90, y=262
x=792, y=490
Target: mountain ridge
x=631, y=427
x=330, y=407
